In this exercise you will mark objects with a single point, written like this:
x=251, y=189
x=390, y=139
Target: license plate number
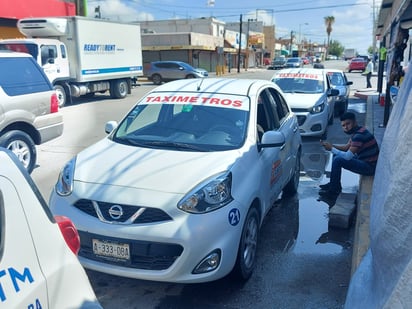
x=111, y=249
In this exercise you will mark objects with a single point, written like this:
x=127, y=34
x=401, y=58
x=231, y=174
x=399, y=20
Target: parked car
x=305, y=60
x=357, y=64
x=164, y=71
x=311, y=97
x=278, y=63
x=169, y=195
x=294, y=62
x=38, y=262
x=339, y=81
x=29, y=110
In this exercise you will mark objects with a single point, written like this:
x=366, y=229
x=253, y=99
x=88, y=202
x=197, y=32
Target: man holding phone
x=359, y=155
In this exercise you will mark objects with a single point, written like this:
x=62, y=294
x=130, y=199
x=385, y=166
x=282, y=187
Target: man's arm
x=328, y=146
x=345, y=151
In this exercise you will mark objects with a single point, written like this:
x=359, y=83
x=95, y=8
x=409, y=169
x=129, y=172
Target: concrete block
x=342, y=213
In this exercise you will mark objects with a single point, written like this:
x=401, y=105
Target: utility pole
x=240, y=45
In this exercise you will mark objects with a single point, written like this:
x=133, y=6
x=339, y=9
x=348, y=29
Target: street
x=302, y=262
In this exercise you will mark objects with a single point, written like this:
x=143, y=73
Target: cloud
x=117, y=10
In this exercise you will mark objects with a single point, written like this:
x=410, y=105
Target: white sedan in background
x=179, y=189
x=311, y=97
x=339, y=81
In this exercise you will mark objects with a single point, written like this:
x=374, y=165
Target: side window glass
x=63, y=51
x=271, y=106
x=48, y=54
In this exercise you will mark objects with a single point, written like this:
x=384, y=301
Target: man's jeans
x=353, y=165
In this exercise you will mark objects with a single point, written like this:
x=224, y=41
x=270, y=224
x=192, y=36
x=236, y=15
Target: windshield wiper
x=174, y=145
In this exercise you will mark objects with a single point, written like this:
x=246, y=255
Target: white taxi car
x=38, y=263
x=311, y=97
x=179, y=189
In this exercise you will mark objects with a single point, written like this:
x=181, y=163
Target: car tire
x=190, y=76
x=292, y=186
x=157, y=79
x=22, y=145
x=331, y=118
x=119, y=88
x=246, y=256
x=61, y=95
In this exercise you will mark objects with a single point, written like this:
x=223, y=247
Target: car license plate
x=111, y=249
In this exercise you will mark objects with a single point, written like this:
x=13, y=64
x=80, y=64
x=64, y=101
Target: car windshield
x=299, y=85
x=293, y=60
x=199, y=125
x=336, y=79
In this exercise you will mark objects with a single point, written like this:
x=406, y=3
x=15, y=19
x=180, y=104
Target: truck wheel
x=157, y=79
x=22, y=145
x=119, y=88
x=246, y=256
x=61, y=95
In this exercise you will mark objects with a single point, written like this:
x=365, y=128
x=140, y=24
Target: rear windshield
x=21, y=75
x=27, y=48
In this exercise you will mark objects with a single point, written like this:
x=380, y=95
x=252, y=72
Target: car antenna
x=200, y=84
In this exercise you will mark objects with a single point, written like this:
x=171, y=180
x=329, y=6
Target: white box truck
x=82, y=56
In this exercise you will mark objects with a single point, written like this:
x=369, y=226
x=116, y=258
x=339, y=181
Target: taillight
x=54, y=103
x=69, y=232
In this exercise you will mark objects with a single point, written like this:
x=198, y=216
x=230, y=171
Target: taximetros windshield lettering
x=237, y=102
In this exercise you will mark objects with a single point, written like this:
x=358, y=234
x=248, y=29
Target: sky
x=353, y=26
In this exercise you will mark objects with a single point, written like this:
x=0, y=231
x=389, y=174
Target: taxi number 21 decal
x=234, y=216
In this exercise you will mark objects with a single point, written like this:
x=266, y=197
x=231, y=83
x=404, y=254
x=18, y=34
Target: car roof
x=12, y=54
x=216, y=85
x=334, y=70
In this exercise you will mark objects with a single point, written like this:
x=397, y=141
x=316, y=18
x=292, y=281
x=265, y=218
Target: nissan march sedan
x=178, y=190
x=311, y=97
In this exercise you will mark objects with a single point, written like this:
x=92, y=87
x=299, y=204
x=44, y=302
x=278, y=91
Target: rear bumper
x=49, y=126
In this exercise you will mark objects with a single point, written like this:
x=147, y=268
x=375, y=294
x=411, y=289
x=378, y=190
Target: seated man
x=359, y=155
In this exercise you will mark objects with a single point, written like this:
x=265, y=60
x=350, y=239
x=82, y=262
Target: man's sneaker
x=325, y=186
x=329, y=193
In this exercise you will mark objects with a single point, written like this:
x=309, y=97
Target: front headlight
x=208, y=197
x=64, y=185
x=317, y=109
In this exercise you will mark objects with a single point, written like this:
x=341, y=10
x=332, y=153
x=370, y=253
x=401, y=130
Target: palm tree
x=329, y=20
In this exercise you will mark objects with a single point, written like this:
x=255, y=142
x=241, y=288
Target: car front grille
x=143, y=254
x=120, y=213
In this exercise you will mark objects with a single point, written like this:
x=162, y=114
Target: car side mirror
x=110, y=126
x=272, y=139
x=333, y=92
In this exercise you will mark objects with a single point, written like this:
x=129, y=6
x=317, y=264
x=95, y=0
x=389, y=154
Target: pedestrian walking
x=368, y=73
x=359, y=155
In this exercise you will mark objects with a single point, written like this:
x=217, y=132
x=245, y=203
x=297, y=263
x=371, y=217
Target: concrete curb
x=361, y=238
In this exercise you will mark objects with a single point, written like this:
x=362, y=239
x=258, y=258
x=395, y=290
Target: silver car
x=163, y=71
x=29, y=108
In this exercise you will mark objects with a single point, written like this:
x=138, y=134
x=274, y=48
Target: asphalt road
x=302, y=262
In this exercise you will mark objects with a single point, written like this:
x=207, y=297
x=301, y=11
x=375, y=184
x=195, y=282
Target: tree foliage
x=329, y=21
x=336, y=48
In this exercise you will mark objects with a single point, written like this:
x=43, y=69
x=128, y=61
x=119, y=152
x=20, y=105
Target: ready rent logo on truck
x=99, y=48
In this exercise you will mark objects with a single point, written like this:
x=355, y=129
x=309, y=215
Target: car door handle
x=295, y=129
x=283, y=146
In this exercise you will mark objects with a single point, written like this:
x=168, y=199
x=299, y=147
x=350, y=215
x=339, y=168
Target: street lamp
x=300, y=35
